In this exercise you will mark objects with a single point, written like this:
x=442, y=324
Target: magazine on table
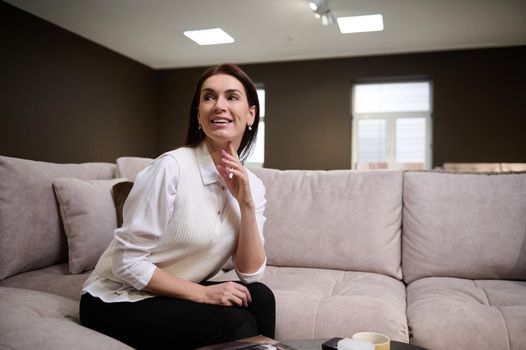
x=258, y=342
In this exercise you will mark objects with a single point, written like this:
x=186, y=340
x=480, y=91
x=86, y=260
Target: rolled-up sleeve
x=146, y=214
x=258, y=195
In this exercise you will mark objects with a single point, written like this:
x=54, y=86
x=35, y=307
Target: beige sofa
x=431, y=258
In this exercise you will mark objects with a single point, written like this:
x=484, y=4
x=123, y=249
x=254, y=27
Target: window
x=257, y=158
x=391, y=126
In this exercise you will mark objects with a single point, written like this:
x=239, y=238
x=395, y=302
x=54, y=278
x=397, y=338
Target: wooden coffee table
x=315, y=344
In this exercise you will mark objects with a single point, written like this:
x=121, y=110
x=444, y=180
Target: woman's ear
x=251, y=115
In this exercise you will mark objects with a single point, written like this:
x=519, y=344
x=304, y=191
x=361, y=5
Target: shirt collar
x=207, y=167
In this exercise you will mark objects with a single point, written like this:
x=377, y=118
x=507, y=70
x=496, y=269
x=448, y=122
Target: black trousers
x=162, y=322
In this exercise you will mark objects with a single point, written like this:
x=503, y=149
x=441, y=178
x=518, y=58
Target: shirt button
x=223, y=188
x=219, y=212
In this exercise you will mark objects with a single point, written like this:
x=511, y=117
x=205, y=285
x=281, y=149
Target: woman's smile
x=224, y=112
x=220, y=122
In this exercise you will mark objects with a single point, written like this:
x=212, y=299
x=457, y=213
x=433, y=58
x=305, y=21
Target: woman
x=186, y=215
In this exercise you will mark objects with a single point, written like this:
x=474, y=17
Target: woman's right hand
x=228, y=294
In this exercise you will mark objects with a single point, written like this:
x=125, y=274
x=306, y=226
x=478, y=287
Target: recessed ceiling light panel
x=360, y=24
x=209, y=36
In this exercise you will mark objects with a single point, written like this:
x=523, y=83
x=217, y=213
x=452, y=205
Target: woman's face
x=224, y=113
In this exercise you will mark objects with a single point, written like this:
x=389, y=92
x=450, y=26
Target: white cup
x=355, y=344
x=380, y=341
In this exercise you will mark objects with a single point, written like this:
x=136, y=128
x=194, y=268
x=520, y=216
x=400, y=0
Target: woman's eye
x=208, y=97
x=233, y=98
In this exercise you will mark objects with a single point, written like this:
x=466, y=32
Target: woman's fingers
x=232, y=162
x=243, y=293
x=229, y=294
x=228, y=173
x=234, y=175
x=225, y=157
x=231, y=165
x=240, y=298
x=222, y=171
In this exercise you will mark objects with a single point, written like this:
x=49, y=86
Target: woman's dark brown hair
x=195, y=136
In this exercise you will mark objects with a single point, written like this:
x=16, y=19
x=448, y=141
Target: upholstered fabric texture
x=451, y=313
x=31, y=233
x=37, y=320
x=129, y=167
x=344, y=220
x=54, y=279
x=322, y=303
x=464, y=225
x=89, y=217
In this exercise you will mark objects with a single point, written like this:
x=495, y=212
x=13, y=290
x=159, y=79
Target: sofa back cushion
x=464, y=225
x=340, y=219
x=89, y=218
x=129, y=167
x=31, y=232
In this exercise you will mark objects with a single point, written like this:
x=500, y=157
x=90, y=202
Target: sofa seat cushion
x=320, y=303
x=36, y=320
x=54, y=279
x=453, y=313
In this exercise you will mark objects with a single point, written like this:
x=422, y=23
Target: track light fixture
x=321, y=10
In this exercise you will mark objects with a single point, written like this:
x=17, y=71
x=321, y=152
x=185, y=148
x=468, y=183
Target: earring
x=250, y=127
x=198, y=126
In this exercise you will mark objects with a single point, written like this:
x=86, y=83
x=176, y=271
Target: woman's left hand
x=235, y=176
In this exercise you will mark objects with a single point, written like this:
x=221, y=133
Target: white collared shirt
x=178, y=216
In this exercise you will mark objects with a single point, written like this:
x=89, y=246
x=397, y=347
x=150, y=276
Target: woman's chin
x=223, y=136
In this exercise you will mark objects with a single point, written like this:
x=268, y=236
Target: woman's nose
x=220, y=104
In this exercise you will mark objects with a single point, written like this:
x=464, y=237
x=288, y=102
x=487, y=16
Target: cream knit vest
x=196, y=242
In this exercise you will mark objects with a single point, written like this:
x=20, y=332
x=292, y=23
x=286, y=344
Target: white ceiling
x=151, y=31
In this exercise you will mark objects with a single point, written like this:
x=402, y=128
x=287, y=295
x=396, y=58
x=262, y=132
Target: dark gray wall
x=478, y=96
x=65, y=99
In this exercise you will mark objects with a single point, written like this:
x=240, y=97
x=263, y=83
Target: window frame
x=250, y=163
x=391, y=118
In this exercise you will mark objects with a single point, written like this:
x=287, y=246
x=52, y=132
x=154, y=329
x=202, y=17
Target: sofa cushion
x=129, y=167
x=340, y=219
x=31, y=234
x=464, y=225
x=451, y=313
x=54, y=279
x=320, y=303
x=89, y=217
x=39, y=320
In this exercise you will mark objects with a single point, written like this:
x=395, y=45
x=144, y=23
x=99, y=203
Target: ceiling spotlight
x=321, y=10
x=313, y=6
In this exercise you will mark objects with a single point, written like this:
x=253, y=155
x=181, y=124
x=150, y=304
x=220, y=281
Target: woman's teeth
x=220, y=121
